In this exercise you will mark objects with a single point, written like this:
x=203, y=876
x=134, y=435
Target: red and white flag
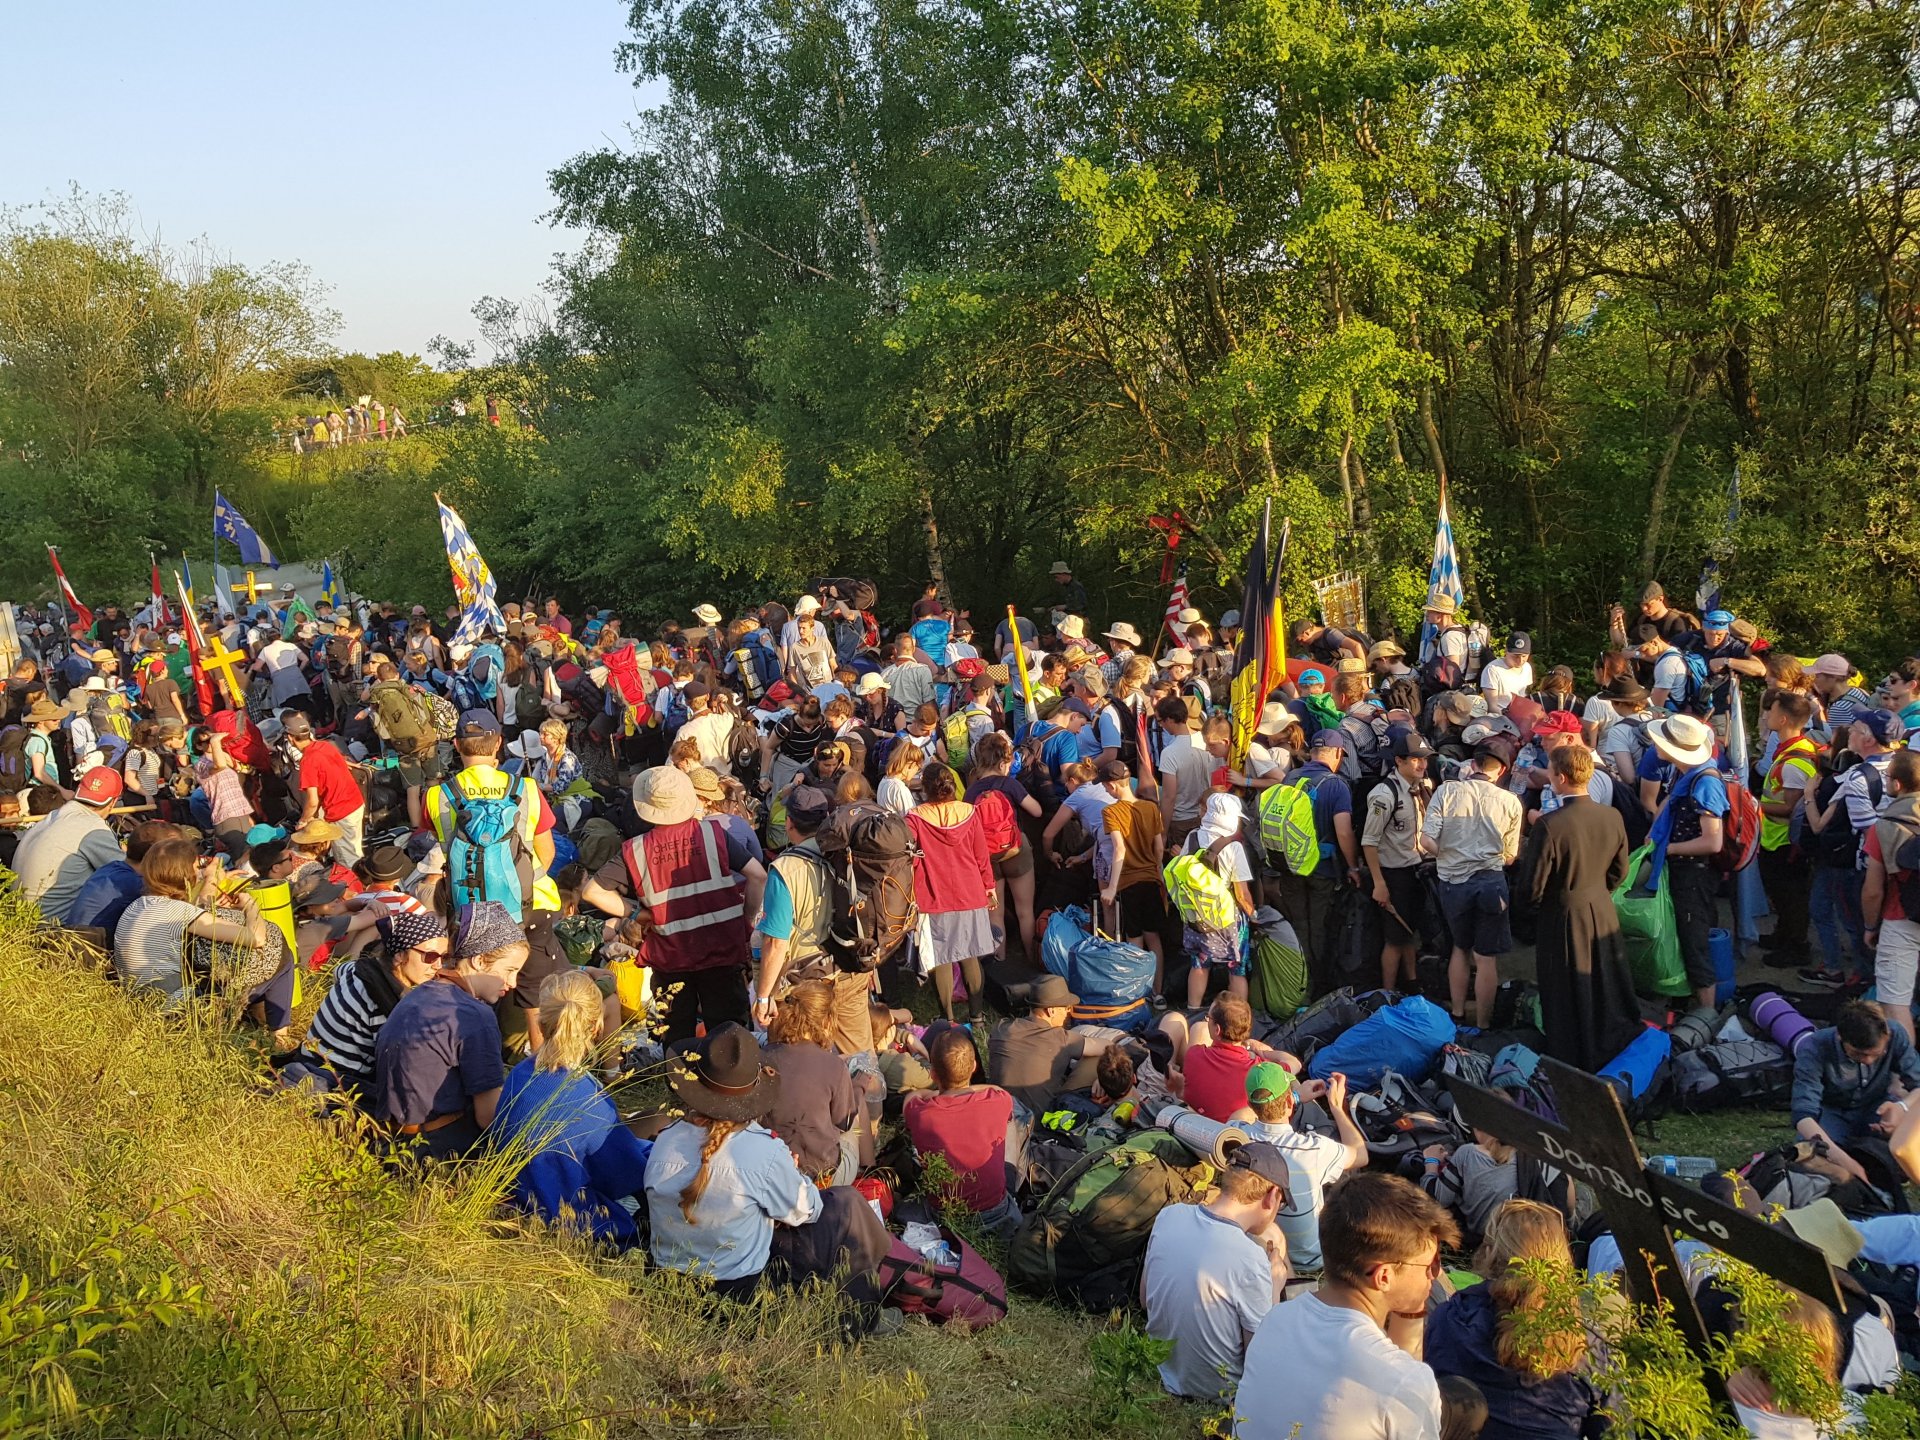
x=196, y=645
x=158, y=618
x=1176, y=602
x=83, y=616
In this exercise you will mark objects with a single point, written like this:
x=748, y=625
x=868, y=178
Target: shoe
x=1159, y=1004
x=888, y=1322
x=1820, y=975
x=1467, y=1032
x=1855, y=985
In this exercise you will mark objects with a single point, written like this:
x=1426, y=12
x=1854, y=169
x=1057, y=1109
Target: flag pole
x=1020, y=663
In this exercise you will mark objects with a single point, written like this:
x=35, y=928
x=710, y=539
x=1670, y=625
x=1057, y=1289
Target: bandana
x=404, y=931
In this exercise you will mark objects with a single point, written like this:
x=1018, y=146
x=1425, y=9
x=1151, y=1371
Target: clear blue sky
x=398, y=149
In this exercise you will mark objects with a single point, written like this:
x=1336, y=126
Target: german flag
x=1259, y=659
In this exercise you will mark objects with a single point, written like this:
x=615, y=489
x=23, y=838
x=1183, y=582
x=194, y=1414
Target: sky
x=399, y=150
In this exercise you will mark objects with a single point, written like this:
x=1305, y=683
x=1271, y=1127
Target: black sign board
x=1595, y=1144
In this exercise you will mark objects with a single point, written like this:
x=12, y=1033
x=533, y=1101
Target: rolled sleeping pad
x=1634, y=1067
x=275, y=903
x=1212, y=1140
x=1720, y=948
x=1694, y=1030
x=1775, y=1016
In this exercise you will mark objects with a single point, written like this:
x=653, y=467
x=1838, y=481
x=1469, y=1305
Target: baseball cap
x=1520, y=643
x=695, y=691
x=1263, y=1159
x=1717, y=619
x=1835, y=667
x=476, y=723
x=1313, y=677
x=1115, y=770
x=1329, y=740
x=1179, y=655
x=1074, y=705
x=1884, y=725
x=1557, y=722
x=1268, y=1081
x=295, y=723
x=1408, y=745
x=101, y=785
x=1230, y=619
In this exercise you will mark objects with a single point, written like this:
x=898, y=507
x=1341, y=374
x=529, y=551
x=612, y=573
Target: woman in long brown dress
x=1576, y=856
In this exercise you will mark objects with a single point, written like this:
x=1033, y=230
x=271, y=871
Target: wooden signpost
x=1595, y=1144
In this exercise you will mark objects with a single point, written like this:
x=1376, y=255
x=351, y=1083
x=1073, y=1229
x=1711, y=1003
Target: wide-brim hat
x=1060, y=567
x=42, y=711
x=726, y=1077
x=706, y=614
x=1071, y=627
x=1441, y=603
x=1825, y=1226
x=1624, y=687
x=1124, y=633
x=664, y=796
x=1682, y=739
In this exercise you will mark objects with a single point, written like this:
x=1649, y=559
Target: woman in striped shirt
x=339, y=1044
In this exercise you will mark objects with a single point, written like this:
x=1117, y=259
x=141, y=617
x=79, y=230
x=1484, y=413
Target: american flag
x=1176, y=602
x=1443, y=576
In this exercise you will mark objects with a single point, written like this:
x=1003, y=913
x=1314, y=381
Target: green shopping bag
x=1647, y=929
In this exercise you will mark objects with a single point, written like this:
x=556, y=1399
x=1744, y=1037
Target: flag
x=82, y=616
x=1176, y=602
x=196, y=646
x=1706, y=595
x=1020, y=668
x=1262, y=647
x=186, y=585
x=223, y=591
x=1443, y=575
x=329, y=591
x=472, y=580
x=158, y=619
x=230, y=524
x=297, y=611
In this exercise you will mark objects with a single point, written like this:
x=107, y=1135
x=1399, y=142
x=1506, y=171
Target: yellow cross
x=216, y=659
x=250, y=590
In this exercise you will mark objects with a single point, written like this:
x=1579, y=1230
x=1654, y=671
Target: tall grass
x=185, y=1252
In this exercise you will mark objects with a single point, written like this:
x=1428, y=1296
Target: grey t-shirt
x=60, y=853
x=1186, y=758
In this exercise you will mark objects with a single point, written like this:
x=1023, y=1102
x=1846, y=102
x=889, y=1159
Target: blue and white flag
x=230, y=524
x=329, y=591
x=472, y=580
x=1443, y=576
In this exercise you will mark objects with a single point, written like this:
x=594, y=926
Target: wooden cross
x=1642, y=1204
x=216, y=659
x=250, y=589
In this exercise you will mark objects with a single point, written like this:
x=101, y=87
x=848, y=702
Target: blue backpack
x=1696, y=677
x=486, y=856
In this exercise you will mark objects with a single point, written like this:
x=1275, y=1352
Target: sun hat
x=1179, y=655
x=725, y=1076
x=44, y=710
x=706, y=614
x=96, y=683
x=1440, y=603
x=317, y=832
x=871, y=681
x=388, y=865
x=806, y=605
x=664, y=796
x=1267, y=1082
x=1050, y=992
x=1273, y=718
x=1351, y=665
x=1825, y=1226
x=407, y=929
x=1071, y=627
x=101, y=785
x=484, y=927
x=1831, y=665
x=311, y=888
x=1060, y=567
x=706, y=784
x=1124, y=633
x=1188, y=616
x=1624, y=687
x=1682, y=739
x=1386, y=650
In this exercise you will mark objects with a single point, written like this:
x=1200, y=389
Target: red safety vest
x=699, y=909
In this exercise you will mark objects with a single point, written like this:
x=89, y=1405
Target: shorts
x=1896, y=960
x=1216, y=947
x=1013, y=867
x=419, y=771
x=1409, y=899
x=1477, y=913
x=1143, y=908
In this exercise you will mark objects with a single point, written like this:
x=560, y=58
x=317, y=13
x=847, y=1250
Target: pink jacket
x=954, y=870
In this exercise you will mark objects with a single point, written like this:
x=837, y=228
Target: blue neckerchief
x=1662, y=830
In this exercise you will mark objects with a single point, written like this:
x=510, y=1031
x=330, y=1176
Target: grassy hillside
x=185, y=1253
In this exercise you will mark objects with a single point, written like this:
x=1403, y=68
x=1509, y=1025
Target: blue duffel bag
x=1114, y=981
x=1406, y=1038
x=1065, y=930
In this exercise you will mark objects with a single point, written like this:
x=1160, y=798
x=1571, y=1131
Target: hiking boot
x=888, y=1322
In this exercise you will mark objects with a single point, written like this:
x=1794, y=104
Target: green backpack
x=959, y=737
x=1203, y=896
x=1276, y=977
x=1086, y=1240
x=1286, y=824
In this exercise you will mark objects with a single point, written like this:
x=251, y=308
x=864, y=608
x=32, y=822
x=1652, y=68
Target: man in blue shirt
x=1308, y=901
x=1691, y=826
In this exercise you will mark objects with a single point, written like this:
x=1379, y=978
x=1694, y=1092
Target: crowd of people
x=522, y=859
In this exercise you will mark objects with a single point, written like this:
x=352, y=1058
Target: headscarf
x=484, y=927
x=1221, y=820
x=404, y=930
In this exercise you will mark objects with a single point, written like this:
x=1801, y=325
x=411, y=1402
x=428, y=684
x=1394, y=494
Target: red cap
x=1557, y=722
x=100, y=786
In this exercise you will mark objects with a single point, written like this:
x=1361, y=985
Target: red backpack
x=1740, y=831
x=970, y=1294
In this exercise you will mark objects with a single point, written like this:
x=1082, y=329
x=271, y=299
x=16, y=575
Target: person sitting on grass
x=819, y=1109
x=1212, y=1075
x=965, y=1124
x=726, y=1199
x=1213, y=1271
x=581, y=1161
x=437, y=1062
x=338, y=1052
x=1853, y=1079
x=1314, y=1162
x=181, y=889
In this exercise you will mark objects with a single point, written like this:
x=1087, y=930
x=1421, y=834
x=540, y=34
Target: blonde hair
x=905, y=760
x=569, y=1020
x=554, y=730
x=1133, y=674
x=718, y=1133
x=1524, y=1230
x=805, y=1016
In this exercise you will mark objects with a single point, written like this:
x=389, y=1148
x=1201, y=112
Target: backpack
x=487, y=857
x=1086, y=1239
x=340, y=656
x=1203, y=896
x=441, y=713
x=1479, y=642
x=1439, y=672
x=1899, y=855
x=1286, y=824
x=1625, y=800
x=1696, y=678
x=13, y=758
x=969, y=1294
x=1642, y=1075
x=1739, y=830
x=1516, y=1074
x=400, y=714
x=957, y=730
x=1369, y=748
x=871, y=891
x=1031, y=764
x=1733, y=1072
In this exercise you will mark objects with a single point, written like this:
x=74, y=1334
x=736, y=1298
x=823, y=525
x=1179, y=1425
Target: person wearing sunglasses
x=1345, y=1360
